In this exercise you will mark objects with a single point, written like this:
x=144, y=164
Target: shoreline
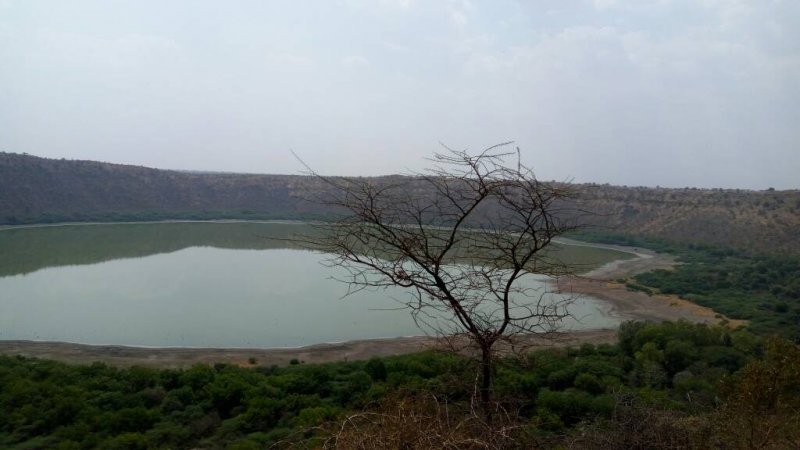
x=137, y=222
x=182, y=357
x=601, y=283
x=598, y=283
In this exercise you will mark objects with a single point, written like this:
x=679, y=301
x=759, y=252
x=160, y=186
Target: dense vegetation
x=553, y=397
x=40, y=190
x=763, y=289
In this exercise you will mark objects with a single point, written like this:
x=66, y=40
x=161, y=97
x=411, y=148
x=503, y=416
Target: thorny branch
x=466, y=238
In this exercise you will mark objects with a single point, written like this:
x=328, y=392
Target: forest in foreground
x=662, y=386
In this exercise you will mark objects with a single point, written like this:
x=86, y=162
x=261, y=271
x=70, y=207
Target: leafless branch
x=467, y=238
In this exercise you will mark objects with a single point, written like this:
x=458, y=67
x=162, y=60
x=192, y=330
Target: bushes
x=43, y=403
x=376, y=369
x=143, y=408
x=762, y=405
x=570, y=406
x=47, y=404
x=764, y=289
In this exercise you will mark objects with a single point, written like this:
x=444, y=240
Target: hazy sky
x=652, y=92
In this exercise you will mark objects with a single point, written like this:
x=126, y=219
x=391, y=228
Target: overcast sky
x=674, y=93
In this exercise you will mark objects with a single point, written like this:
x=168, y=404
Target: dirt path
x=597, y=283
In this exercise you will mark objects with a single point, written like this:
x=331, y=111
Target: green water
x=202, y=284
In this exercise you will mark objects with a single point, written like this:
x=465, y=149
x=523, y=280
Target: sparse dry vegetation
x=424, y=422
x=35, y=190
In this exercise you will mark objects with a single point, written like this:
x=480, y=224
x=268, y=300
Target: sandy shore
x=602, y=283
x=598, y=283
x=123, y=356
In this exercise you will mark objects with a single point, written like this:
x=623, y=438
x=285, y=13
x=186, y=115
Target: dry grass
x=425, y=422
x=637, y=426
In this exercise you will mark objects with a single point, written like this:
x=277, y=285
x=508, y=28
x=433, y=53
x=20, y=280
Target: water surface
x=201, y=285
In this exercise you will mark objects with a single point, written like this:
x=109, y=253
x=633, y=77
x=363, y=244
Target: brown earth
x=597, y=283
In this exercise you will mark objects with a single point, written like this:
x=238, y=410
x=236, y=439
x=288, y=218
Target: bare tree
x=465, y=238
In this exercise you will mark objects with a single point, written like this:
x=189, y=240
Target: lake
x=204, y=284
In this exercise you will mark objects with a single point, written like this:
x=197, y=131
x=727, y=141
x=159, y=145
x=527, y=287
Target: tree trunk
x=486, y=382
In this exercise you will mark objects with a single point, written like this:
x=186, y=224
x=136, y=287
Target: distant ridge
x=42, y=190
x=35, y=190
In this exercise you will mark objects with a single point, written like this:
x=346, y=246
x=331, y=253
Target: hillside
x=37, y=190
x=753, y=220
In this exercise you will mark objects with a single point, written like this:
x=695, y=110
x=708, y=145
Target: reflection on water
x=25, y=250
x=193, y=284
x=28, y=249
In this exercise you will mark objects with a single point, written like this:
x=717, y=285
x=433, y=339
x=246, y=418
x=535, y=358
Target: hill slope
x=755, y=220
x=34, y=190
